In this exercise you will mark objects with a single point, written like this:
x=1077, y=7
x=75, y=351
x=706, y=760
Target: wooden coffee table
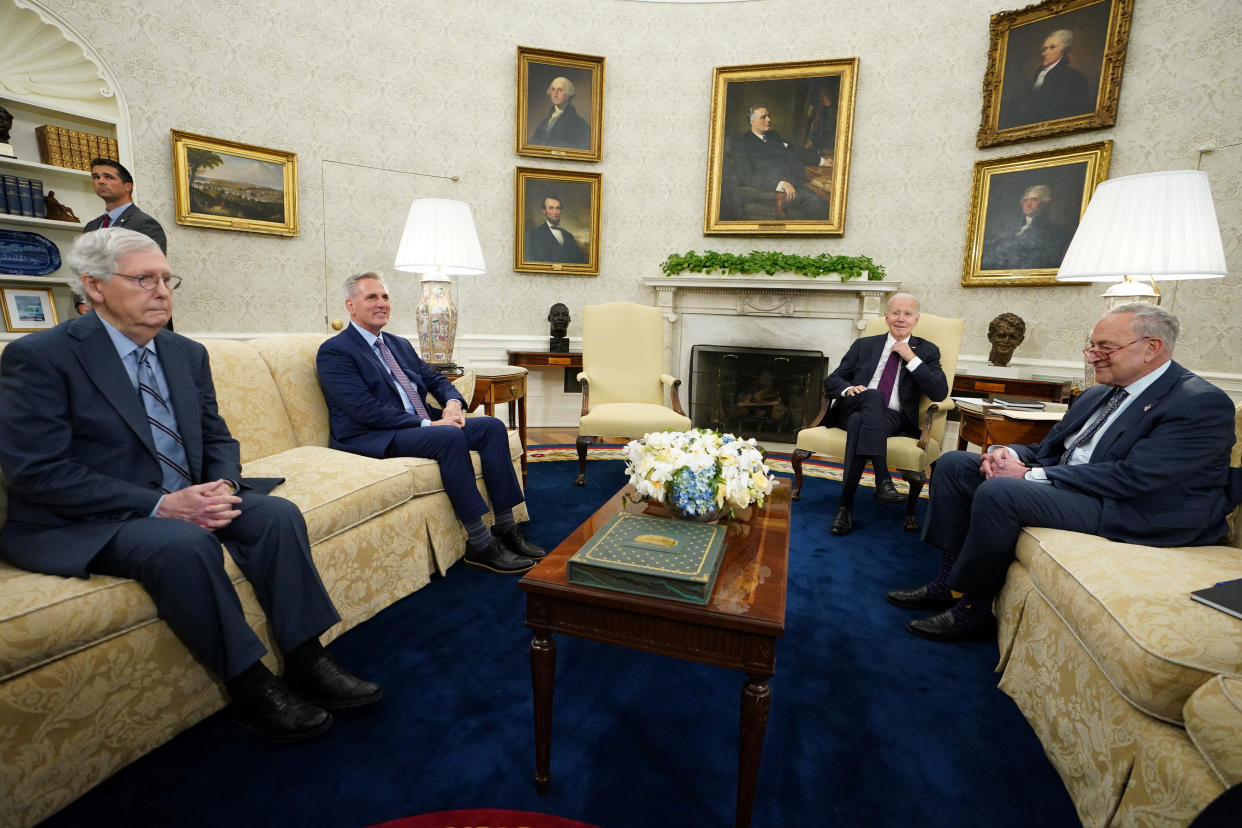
x=738, y=629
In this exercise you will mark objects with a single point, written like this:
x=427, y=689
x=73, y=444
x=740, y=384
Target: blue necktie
x=168, y=445
x=1110, y=404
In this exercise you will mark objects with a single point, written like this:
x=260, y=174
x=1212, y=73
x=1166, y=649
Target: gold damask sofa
x=91, y=679
x=1134, y=689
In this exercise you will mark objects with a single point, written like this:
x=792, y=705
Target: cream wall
x=378, y=97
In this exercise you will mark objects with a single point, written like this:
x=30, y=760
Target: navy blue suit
x=1158, y=476
x=367, y=416
x=83, y=478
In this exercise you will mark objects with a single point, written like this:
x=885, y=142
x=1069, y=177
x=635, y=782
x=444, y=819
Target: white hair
x=897, y=296
x=350, y=286
x=95, y=253
x=1065, y=36
x=569, y=86
x=1151, y=322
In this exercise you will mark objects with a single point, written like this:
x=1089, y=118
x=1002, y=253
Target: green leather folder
x=657, y=557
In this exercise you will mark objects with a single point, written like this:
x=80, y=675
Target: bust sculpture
x=1006, y=333
x=558, y=316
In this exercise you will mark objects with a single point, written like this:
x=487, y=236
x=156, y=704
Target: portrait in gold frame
x=577, y=133
x=1037, y=86
x=810, y=111
x=1024, y=210
x=227, y=185
x=576, y=199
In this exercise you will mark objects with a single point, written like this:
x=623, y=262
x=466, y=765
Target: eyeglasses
x=147, y=281
x=1092, y=352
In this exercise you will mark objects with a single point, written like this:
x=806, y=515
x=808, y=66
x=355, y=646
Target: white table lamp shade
x=1155, y=226
x=439, y=237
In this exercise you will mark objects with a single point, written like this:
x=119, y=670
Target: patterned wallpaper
x=384, y=100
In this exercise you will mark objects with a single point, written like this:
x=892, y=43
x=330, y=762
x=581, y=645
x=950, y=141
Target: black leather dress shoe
x=516, y=542
x=325, y=683
x=842, y=521
x=496, y=558
x=886, y=492
x=943, y=626
x=922, y=598
x=278, y=715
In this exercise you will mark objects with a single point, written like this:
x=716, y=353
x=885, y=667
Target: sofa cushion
x=291, y=360
x=248, y=399
x=334, y=490
x=1130, y=607
x=1214, y=722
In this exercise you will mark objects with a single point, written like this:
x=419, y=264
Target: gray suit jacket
x=134, y=219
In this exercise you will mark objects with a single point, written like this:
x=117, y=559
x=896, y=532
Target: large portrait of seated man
x=780, y=143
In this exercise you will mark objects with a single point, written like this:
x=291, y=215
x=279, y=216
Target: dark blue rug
x=869, y=725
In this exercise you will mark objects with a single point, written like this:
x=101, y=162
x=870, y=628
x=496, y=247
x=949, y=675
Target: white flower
x=740, y=477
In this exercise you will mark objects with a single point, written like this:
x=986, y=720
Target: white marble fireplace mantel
x=823, y=314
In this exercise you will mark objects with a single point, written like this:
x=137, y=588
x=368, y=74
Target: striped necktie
x=1114, y=399
x=416, y=399
x=168, y=445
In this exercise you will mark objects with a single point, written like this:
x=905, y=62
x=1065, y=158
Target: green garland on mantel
x=772, y=262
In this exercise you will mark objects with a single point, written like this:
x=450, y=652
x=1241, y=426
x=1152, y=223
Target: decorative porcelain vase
x=437, y=319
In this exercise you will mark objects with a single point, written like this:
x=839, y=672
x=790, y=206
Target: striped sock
x=479, y=538
x=504, y=521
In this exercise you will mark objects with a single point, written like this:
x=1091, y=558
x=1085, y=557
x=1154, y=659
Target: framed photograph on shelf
x=779, y=153
x=28, y=309
x=1024, y=210
x=231, y=186
x=557, y=222
x=1054, y=68
x=560, y=105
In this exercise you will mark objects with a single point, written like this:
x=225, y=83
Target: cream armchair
x=622, y=377
x=911, y=455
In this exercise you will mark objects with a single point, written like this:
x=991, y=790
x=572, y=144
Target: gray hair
x=350, y=286
x=1040, y=190
x=569, y=86
x=897, y=296
x=95, y=253
x=1065, y=36
x=1151, y=322
x=750, y=113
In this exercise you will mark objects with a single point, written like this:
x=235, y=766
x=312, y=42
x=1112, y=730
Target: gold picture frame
x=810, y=109
x=253, y=189
x=577, y=132
x=570, y=201
x=28, y=309
x=1037, y=86
x=1024, y=210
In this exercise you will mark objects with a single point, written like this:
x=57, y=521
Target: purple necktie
x=889, y=377
x=416, y=400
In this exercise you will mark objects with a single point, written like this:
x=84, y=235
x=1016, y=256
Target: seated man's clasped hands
x=118, y=463
x=1143, y=458
x=375, y=384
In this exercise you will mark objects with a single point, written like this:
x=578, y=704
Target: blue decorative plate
x=27, y=254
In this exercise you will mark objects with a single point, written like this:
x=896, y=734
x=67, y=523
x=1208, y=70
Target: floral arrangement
x=699, y=474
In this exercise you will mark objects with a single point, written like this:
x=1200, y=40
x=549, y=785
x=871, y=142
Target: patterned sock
x=971, y=611
x=504, y=521
x=941, y=582
x=479, y=537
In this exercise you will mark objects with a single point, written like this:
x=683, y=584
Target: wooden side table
x=987, y=430
x=1053, y=391
x=502, y=384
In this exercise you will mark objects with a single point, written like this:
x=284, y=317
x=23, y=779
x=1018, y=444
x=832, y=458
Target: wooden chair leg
x=915, y=480
x=582, y=443
x=795, y=460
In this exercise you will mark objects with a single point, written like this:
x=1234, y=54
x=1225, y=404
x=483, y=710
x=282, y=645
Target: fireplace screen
x=765, y=393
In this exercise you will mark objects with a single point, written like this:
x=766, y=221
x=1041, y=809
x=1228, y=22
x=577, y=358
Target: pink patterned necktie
x=889, y=378
x=416, y=399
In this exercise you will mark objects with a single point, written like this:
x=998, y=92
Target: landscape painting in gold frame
x=560, y=105
x=567, y=202
x=227, y=185
x=779, y=149
x=28, y=309
x=1024, y=210
x=1054, y=68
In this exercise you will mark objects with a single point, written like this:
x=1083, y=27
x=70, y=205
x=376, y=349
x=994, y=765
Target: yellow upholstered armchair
x=623, y=377
x=911, y=455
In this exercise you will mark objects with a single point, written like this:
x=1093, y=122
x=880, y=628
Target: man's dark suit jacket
x=364, y=409
x=541, y=246
x=764, y=164
x=1042, y=245
x=1162, y=469
x=75, y=446
x=1063, y=94
x=570, y=130
x=859, y=364
x=134, y=219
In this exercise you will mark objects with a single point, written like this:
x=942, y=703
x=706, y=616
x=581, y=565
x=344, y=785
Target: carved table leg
x=542, y=677
x=756, y=699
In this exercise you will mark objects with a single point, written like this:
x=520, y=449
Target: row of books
x=23, y=197
x=63, y=147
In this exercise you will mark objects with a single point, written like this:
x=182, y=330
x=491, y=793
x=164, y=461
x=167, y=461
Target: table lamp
x=1143, y=227
x=439, y=241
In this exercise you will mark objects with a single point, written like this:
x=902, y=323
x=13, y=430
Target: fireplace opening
x=765, y=393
